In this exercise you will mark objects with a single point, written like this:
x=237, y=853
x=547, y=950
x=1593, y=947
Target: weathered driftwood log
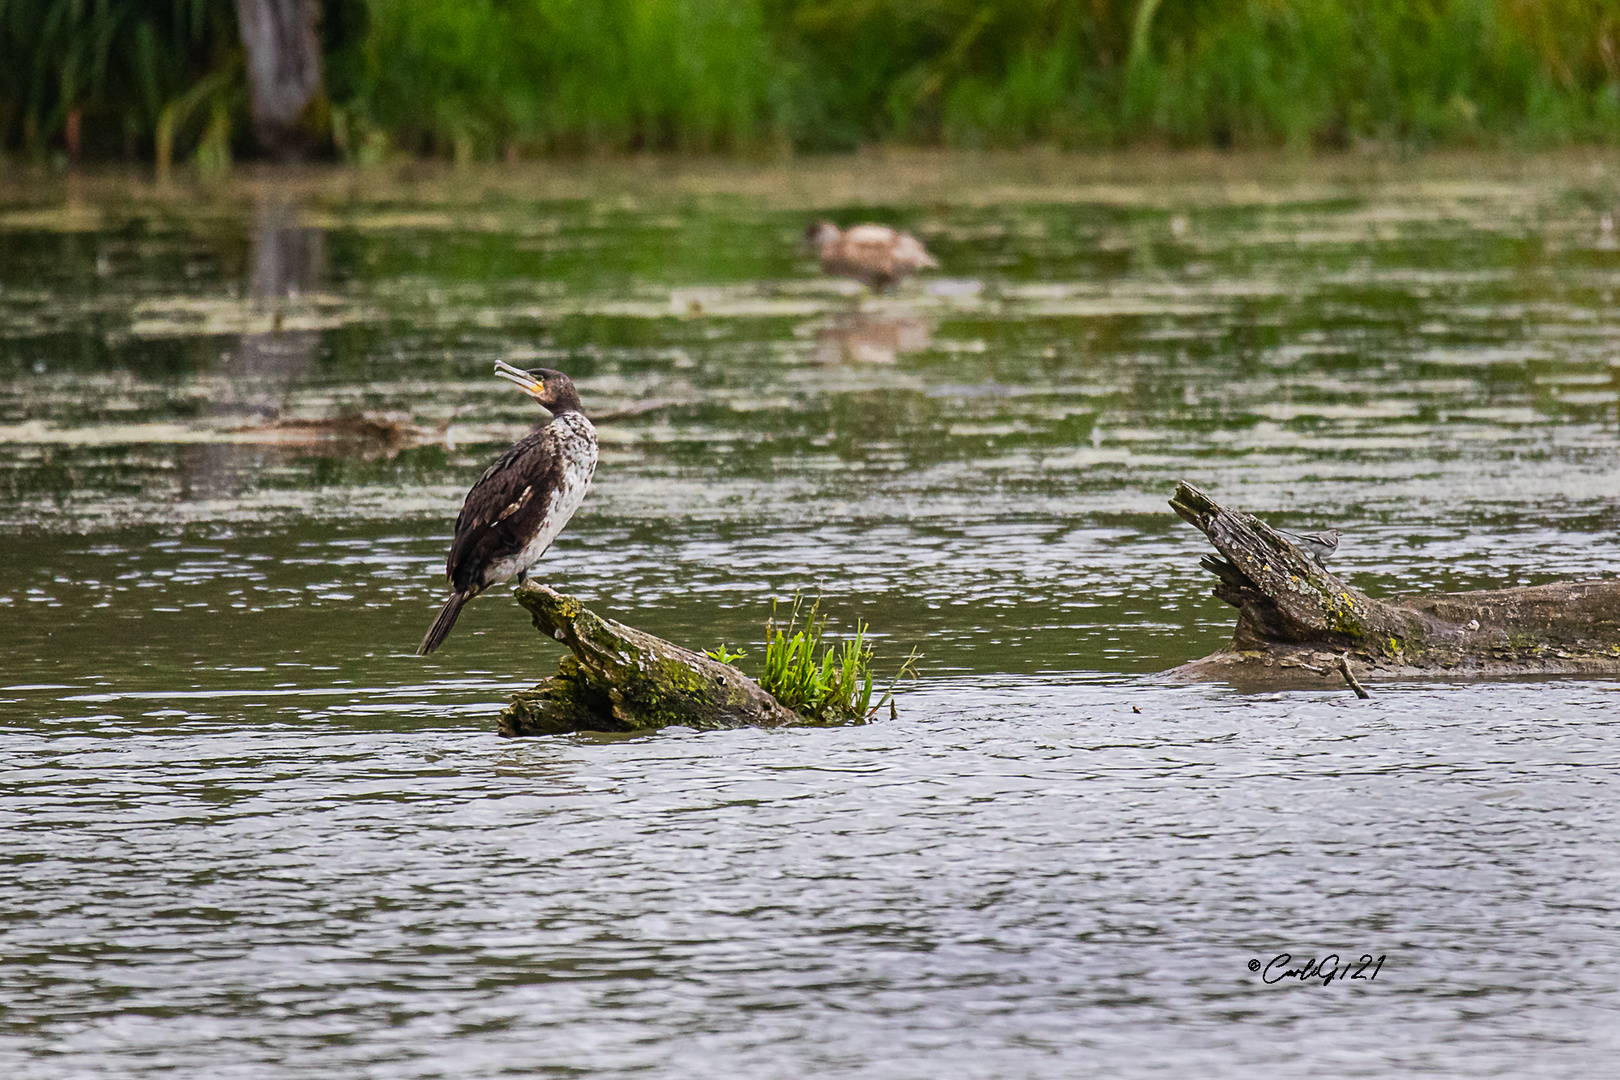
x=1296, y=620
x=618, y=678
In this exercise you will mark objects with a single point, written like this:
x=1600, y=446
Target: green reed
x=491, y=78
x=115, y=63
x=483, y=77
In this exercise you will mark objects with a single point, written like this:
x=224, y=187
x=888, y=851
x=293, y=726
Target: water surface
x=250, y=834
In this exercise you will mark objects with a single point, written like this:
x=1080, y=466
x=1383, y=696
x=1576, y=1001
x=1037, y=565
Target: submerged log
x=618, y=678
x=1297, y=621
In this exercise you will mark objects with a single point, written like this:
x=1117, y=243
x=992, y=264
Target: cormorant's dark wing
x=503, y=510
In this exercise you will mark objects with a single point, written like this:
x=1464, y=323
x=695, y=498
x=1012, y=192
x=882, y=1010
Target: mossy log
x=618, y=678
x=1297, y=620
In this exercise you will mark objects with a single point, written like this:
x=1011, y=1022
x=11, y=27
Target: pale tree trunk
x=283, y=68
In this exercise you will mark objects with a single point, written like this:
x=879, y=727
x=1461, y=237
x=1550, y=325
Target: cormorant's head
x=550, y=388
x=821, y=232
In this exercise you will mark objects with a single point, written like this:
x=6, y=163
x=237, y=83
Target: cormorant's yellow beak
x=527, y=383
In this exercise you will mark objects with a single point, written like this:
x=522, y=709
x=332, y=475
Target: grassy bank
x=498, y=78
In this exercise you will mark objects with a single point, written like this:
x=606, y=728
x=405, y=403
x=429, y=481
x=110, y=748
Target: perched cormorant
x=875, y=254
x=1318, y=545
x=522, y=501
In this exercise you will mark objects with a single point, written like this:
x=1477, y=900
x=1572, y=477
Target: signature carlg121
x=1329, y=969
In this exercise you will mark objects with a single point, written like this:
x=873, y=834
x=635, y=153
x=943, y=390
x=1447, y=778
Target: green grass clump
x=113, y=65
x=828, y=685
x=724, y=655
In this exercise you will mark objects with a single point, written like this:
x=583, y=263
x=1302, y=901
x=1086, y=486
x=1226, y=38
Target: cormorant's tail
x=442, y=625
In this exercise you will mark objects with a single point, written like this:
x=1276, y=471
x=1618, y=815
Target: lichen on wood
x=1296, y=619
x=618, y=678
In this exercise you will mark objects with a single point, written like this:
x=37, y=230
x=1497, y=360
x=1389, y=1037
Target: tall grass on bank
x=1199, y=72
x=479, y=78
x=482, y=76
x=125, y=78
x=99, y=73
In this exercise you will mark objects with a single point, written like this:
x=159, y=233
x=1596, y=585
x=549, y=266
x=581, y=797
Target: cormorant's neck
x=567, y=402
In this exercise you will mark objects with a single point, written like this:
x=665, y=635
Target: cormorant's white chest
x=571, y=440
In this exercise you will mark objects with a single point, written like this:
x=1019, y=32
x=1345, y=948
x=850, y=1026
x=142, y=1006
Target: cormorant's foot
x=523, y=577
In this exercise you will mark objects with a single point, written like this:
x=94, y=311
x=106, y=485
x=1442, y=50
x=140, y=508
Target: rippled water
x=248, y=834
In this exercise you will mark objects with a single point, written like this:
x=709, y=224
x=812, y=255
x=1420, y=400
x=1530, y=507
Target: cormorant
x=874, y=254
x=522, y=501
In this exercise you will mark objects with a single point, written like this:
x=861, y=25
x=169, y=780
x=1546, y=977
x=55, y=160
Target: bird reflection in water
x=869, y=339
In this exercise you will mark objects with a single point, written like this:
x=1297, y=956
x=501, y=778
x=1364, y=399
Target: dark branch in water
x=1297, y=620
x=1350, y=676
x=638, y=408
x=391, y=431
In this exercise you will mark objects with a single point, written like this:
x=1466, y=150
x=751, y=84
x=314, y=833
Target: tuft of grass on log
x=837, y=688
x=617, y=678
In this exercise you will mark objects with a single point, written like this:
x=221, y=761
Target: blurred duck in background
x=875, y=255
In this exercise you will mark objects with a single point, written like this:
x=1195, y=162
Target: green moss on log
x=618, y=678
